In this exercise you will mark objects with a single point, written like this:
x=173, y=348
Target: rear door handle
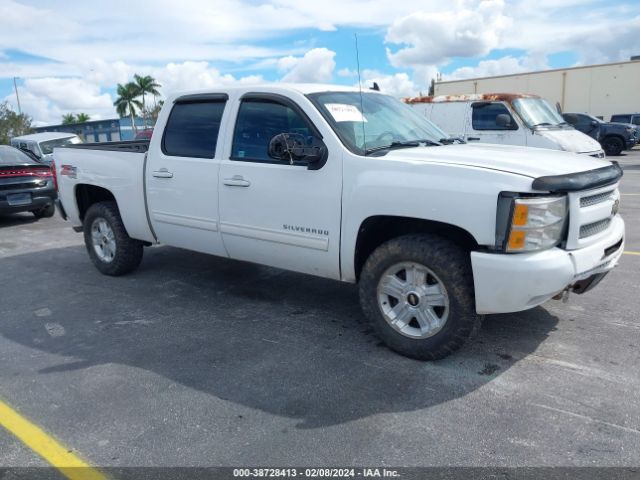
x=162, y=173
x=471, y=139
x=236, y=181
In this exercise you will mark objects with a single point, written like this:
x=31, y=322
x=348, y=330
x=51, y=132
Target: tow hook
x=563, y=295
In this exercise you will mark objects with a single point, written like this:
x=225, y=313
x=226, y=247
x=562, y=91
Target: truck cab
x=507, y=119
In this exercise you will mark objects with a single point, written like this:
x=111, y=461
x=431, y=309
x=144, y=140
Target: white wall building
x=600, y=90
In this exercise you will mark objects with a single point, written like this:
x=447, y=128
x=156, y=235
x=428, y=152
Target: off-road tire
x=45, y=212
x=453, y=267
x=612, y=146
x=128, y=254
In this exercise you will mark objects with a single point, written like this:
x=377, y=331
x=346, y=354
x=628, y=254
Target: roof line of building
x=540, y=71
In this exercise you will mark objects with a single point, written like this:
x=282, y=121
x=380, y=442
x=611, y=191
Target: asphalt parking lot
x=199, y=361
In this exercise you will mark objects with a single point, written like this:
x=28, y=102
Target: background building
x=110, y=130
x=600, y=90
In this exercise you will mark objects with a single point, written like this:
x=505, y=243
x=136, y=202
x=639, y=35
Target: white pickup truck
x=353, y=186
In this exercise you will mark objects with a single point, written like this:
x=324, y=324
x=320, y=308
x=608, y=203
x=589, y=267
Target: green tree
x=146, y=85
x=68, y=118
x=82, y=117
x=12, y=124
x=155, y=111
x=127, y=102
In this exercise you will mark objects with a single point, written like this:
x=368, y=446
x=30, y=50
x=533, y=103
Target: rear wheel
x=417, y=292
x=612, y=145
x=111, y=249
x=45, y=212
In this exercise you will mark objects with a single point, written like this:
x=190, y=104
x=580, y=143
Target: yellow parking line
x=631, y=253
x=47, y=447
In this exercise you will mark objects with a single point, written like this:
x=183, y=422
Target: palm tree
x=82, y=118
x=146, y=84
x=68, y=118
x=127, y=102
x=155, y=111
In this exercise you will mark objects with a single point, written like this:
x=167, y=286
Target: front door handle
x=162, y=173
x=472, y=139
x=236, y=181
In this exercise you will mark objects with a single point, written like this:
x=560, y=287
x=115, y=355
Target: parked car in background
x=614, y=137
x=25, y=184
x=505, y=118
x=144, y=134
x=353, y=186
x=632, y=118
x=42, y=144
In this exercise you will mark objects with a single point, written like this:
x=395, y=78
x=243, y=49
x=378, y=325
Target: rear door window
x=192, y=129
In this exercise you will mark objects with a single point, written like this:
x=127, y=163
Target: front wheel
x=111, y=249
x=417, y=292
x=612, y=146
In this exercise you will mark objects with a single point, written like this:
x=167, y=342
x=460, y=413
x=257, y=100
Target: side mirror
x=504, y=120
x=594, y=123
x=295, y=147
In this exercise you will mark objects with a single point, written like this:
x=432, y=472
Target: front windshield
x=537, y=112
x=373, y=121
x=48, y=146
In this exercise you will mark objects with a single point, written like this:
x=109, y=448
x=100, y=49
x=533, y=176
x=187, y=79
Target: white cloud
x=501, y=66
x=107, y=74
x=176, y=77
x=427, y=38
x=316, y=66
x=230, y=30
x=92, y=49
x=398, y=84
x=597, y=32
x=47, y=99
x=69, y=93
x=347, y=72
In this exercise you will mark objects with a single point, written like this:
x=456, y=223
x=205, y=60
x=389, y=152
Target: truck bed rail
x=134, y=146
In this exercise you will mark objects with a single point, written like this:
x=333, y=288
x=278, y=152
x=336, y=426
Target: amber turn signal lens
x=517, y=239
x=520, y=214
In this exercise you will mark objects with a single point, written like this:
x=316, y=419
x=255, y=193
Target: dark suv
x=614, y=137
x=633, y=118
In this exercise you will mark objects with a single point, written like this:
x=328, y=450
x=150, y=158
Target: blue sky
x=69, y=56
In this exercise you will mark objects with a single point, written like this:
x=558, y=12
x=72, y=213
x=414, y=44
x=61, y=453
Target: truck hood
x=571, y=140
x=529, y=162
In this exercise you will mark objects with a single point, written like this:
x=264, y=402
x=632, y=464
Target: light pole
x=15, y=86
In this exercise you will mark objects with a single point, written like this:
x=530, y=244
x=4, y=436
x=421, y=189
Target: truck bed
x=125, y=163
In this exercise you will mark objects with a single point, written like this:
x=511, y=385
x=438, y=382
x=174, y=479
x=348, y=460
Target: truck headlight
x=534, y=223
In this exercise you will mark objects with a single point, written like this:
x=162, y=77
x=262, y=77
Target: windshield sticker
x=342, y=112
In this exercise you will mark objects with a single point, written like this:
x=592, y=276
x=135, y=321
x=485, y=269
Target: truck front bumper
x=507, y=283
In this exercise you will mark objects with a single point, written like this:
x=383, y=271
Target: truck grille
x=594, y=228
x=591, y=214
x=594, y=199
